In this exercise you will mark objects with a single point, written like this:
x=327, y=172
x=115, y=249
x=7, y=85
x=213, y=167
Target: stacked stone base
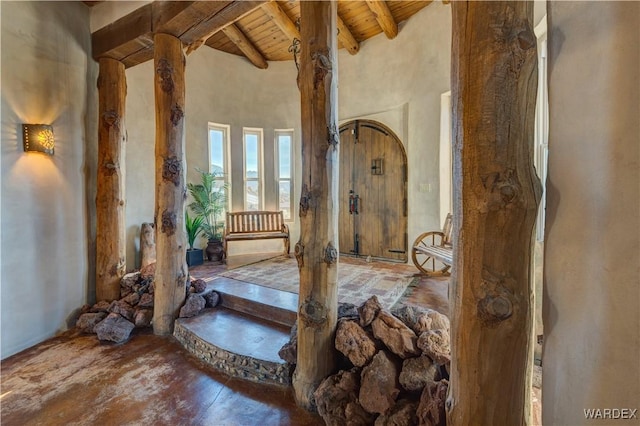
x=235, y=365
x=394, y=369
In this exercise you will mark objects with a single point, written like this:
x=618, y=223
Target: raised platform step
x=238, y=344
x=259, y=301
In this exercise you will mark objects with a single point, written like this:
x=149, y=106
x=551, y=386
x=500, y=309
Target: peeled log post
x=317, y=250
x=110, y=205
x=171, y=268
x=147, y=244
x=493, y=88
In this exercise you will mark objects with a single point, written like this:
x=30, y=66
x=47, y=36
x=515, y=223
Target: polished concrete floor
x=149, y=380
x=152, y=380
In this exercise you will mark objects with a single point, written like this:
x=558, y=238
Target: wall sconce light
x=38, y=138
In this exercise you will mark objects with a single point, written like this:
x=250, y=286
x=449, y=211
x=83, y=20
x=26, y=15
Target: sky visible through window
x=251, y=150
x=284, y=174
x=217, y=151
x=284, y=156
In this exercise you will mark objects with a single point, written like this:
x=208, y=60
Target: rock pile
x=198, y=298
x=114, y=321
x=395, y=368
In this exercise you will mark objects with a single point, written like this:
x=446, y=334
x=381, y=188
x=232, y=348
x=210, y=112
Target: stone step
x=238, y=344
x=262, y=302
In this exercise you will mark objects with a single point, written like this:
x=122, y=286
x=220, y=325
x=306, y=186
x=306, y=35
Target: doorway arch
x=373, y=191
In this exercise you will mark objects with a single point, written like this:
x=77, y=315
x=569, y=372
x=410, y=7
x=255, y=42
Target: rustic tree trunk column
x=317, y=250
x=493, y=87
x=110, y=205
x=171, y=268
x=147, y=244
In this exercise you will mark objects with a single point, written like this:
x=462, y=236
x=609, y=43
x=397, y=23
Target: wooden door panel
x=369, y=189
x=346, y=230
x=395, y=226
x=380, y=185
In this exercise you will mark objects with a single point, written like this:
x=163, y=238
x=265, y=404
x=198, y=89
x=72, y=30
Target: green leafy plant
x=194, y=228
x=208, y=203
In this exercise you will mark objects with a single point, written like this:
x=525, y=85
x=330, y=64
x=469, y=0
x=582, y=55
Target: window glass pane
x=219, y=188
x=252, y=197
x=251, y=153
x=284, y=156
x=217, y=151
x=284, y=201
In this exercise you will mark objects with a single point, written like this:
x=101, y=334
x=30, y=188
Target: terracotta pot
x=214, y=250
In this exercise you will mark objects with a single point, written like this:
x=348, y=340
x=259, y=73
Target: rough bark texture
x=493, y=90
x=171, y=268
x=316, y=251
x=110, y=204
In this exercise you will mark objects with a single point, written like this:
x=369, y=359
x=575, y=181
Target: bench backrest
x=261, y=221
x=447, y=229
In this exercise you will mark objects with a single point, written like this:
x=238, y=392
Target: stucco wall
x=220, y=88
x=397, y=82
x=45, y=55
x=592, y=267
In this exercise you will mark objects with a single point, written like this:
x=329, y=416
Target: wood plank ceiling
x=261, y=31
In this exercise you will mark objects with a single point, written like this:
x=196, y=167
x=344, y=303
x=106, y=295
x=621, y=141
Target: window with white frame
x=284, y=171
x=219, y=163
x=253, y=198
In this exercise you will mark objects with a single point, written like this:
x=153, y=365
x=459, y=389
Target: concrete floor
x=75, y=379
x=149, y=380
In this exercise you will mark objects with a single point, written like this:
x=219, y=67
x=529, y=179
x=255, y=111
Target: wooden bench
x=432, y=252
x=259, y=225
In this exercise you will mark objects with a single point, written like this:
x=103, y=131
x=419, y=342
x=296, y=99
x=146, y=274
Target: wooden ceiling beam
x=244, y=44
x=130, y=33
x=281, y=19
x=178, y=17
x=139, y=57
x=384, y=17
x=227, y=16
x=130, y=38
x=346, y=37
x=288, y=27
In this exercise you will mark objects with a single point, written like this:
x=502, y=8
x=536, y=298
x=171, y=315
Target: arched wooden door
x=373, y=191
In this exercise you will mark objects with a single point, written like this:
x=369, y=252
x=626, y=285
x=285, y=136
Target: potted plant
x=194, y=228
x=209, y=204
